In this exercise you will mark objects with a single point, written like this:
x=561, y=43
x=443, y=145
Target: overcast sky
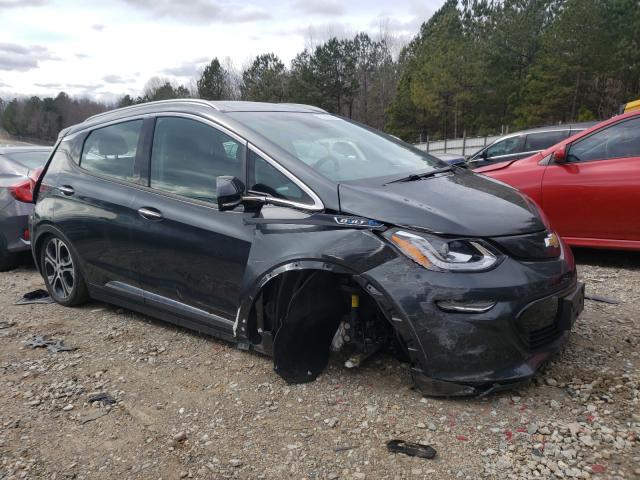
x=109, y=48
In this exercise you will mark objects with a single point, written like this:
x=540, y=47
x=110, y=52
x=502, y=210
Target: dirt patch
x=196, y=407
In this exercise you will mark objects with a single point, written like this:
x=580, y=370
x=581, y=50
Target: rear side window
x=543, y=140
x=188, y=156
x=265, y=178
x=112, y=150
x=618, y=141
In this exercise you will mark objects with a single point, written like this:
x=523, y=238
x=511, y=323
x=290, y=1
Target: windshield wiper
x=419, y=176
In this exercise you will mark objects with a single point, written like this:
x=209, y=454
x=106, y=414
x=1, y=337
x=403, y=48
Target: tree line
x=40, y=119
x=475, y=67
x=354, y=77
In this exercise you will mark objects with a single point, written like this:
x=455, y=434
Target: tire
x=8, y=260
x=61, y=273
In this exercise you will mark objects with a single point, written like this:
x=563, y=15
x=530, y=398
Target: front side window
x=618, y=141
x=112, y=150
x=541, y=141
x=335, y=148
x=187, y=157
x=504, y=147
x=266, y=179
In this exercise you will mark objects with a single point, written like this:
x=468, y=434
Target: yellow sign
x=631, y=106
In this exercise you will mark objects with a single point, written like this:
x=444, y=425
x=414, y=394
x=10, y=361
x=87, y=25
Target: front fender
x=339, y=250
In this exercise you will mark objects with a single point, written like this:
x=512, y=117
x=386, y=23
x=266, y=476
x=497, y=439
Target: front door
x=191, y=256
x=505, y=150
x=594, y=195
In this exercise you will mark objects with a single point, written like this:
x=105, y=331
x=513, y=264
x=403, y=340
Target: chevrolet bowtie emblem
x=552, y=240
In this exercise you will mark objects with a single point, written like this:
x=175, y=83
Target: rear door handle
x=150, y=213
x=67, y=190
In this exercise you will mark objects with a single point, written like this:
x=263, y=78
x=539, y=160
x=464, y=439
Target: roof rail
x=310, y=107
x=198, y=101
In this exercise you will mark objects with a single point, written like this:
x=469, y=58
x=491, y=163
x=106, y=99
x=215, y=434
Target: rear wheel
x=63, y=278
x=8, y=260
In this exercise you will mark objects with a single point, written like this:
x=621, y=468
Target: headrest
x=345, y=149
x=112, y=144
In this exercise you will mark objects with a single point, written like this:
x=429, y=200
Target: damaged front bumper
x=533, y=307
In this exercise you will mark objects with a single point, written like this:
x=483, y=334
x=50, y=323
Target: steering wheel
x=323, y=160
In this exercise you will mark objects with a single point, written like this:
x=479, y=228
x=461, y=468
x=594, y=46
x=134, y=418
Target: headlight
x=441, y=254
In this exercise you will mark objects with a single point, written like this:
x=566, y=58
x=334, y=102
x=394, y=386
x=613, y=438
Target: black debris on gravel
x=37, y=296
x=600, y=298
x=54, y=346
x=411, y=449
x=102, y=397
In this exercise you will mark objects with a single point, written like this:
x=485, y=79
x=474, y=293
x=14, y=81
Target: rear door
x=191, y=257
x=97, y=177
x=595, y=194
x=538, y=141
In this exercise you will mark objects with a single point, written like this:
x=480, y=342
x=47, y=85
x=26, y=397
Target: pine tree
x=214, y=82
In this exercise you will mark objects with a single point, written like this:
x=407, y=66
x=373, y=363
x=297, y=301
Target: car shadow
x=607, y=258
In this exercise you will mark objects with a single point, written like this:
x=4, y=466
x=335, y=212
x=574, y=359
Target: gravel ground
x=189, y=406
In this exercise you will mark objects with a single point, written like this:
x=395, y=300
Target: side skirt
x=605, y=243
x=165, y=309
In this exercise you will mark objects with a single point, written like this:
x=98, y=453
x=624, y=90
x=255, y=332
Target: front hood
x=462, y=203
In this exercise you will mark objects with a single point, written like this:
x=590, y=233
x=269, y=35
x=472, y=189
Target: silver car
x=17, y=168
x=523, y=144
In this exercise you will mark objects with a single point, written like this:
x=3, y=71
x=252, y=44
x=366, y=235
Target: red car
x=588, y=185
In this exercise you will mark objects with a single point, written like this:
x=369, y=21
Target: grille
x=540, y=338
x=539, y=323
x=531, y=246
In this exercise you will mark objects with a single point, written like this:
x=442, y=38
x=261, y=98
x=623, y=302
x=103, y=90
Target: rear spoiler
x=63, y=133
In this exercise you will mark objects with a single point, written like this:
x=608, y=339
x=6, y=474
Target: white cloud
x=187, y=69
x=200, y=11
x=23, y=58
x=320, y=7
x=22, y=3
x=116, y=79
x=49, y=85
x=145, y=38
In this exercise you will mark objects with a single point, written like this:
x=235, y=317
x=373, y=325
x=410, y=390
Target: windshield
x=29, y=159
x=336, y=148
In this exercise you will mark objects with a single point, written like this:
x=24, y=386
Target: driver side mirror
x=560, y=155
x=229, y=191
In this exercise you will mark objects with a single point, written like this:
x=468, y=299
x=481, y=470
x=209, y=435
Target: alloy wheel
x=58, y=267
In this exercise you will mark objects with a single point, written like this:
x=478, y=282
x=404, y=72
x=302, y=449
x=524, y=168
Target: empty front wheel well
x=299, y=315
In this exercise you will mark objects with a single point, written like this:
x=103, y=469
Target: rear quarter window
x=112, y=150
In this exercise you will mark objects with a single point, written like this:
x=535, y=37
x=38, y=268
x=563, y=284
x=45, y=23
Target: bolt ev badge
x=356, y=221
x=552, y=241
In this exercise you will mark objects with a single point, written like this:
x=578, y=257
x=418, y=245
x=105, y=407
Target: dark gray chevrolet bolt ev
x=294, y=232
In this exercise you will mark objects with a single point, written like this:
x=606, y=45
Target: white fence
x=461, y=146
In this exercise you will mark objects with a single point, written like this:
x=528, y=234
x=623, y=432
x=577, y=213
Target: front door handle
x=150, y=213
x=67, y=190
